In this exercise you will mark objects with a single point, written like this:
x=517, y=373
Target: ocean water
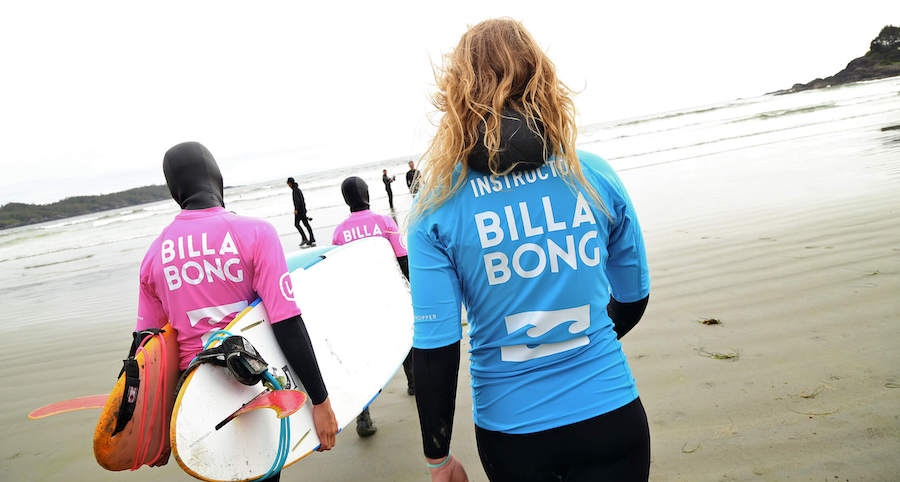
x=64, y=271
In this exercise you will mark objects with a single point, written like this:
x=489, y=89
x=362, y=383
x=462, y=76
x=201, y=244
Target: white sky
x=93, y=93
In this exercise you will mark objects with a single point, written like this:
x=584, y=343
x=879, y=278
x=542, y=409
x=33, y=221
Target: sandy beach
x=798, y=258
x=802, y=268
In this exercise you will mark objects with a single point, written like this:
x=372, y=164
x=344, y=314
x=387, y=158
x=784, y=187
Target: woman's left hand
x=452, y=471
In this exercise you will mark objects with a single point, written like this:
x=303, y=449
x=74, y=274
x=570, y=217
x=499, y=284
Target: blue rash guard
x=534, y=261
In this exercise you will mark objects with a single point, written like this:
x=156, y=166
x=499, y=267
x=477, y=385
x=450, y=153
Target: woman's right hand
x=326, y=424
x=452, y=471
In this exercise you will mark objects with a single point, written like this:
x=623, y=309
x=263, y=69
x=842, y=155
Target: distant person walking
x=300, y=215
x=412, y=178
x=363, y=223
x=387, y=187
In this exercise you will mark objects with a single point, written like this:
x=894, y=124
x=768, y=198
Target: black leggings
x=301, y=218
x=614, y=446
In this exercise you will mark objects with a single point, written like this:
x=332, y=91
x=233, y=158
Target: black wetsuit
x=300, y=215
x=356, y=195
x=387, y=187
x=195, y=182
x=613, y=446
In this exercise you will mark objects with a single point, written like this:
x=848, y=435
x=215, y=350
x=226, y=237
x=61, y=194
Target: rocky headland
x=20, y=214
x=881, y=61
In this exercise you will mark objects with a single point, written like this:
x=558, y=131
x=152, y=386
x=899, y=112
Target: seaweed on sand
x=686, y=450
x=710, y=321
x=732, y=355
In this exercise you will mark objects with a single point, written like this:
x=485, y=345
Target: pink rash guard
x=206, y=267
x=363, y=224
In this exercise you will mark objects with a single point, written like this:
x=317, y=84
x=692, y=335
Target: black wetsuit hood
x=193, y=176
x=356, y=193
x=520, y=148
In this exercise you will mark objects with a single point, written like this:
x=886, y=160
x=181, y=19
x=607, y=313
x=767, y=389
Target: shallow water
x=114, y=240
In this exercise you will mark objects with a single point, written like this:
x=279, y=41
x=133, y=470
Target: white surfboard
x=358, y=312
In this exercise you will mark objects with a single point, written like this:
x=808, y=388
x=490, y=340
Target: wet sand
x=798, y=259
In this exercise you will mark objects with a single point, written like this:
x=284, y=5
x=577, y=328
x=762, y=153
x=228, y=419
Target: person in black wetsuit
x=195, y=183
x=387, y=187
x=412, y=178
x=364, y=223
x=300, y=215
x=541, y=243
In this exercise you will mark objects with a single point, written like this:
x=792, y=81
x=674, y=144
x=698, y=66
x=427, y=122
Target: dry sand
x=801, y=263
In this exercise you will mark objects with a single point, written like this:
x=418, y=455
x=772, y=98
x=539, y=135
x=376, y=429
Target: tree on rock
x=887, y=43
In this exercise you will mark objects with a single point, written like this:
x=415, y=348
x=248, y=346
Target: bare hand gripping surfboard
x=358, y=312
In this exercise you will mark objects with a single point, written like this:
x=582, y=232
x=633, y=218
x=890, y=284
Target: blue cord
x=284, y=437
x=217, y=335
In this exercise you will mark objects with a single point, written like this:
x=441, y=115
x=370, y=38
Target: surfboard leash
x=284, y=436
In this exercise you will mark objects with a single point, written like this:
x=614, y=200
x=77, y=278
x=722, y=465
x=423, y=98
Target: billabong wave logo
x=541, y=323
x=287, y=287
x=216, y=314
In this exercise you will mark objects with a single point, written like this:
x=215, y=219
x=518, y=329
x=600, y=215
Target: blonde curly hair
x=497, y=65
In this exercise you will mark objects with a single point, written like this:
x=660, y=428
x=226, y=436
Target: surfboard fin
x=283, y=402
x=80, y=403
